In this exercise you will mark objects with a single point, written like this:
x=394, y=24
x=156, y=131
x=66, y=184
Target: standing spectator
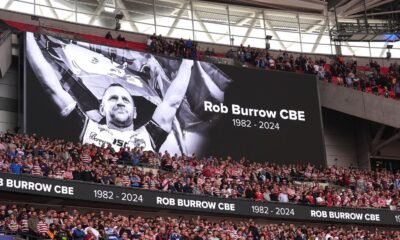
x=24, y=223
x=78, y=233
x=42, y=227
x=33, y=223
x=16, y=166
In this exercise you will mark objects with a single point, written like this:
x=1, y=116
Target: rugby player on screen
x=117, y=105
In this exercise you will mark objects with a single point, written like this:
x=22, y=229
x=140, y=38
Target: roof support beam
x=274, y=34
x=182, y=9
x=350, y=48
x=378, y=136
x=250, y=28
x=369, y=4
x=127, y=15
x=309, y=30
x=375, y=14
x=203, y=26
x=246, y=19
x=52, y=9
x=8, y=4
x=98, y=10
x=385, y=143
x=340, y=10
x=321, y=33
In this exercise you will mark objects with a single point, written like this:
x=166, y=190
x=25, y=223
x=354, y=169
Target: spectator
x=109, y=36
x=121, y=38
x=78, y=233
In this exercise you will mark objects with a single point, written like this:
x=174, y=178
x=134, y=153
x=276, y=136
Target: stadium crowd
x=343, y=72
x=219, y=177
x=337, y=70
x=178, y=48
x=62, y=224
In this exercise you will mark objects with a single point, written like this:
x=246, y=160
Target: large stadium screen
x=121, y=98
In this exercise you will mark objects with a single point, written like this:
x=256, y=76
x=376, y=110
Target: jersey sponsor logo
x=98, y=141
x=133, y=142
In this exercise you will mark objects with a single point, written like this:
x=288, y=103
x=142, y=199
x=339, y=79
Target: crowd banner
x=93, y=192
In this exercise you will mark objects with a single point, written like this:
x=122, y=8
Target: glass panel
x=83, y=18
x=346, y=51
x=288, y=36
x=55, y=13
x=322, y=48
x=243, y=12
x=275, y=45
x=354, y=50
x=396, y=45
x=307, y=47
x=376, y=52
x=87, y=6
x=65, y=4
x=25, y=6
x=377, y=45
x=311, y=19
x=101, y=21
x=281, y=16
x=249, y=32
x=395, y=53
x=142, y=6
x=206, y=7
x=255, y=42
x=137, y=27
x=211, y=37
x=325, y=39
x=175, y=33
x=181, y=11
x=283, y=26
x=138, y=17
x=314, y=28
x=146, y=28
x=309, y=38
x=292, y=47
x=173, y=22
x=211, y=27
x=358, y=44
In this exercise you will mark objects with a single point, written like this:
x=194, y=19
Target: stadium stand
x=213, y=176
x=49, y=223
x=381, y=81
x=311, y=201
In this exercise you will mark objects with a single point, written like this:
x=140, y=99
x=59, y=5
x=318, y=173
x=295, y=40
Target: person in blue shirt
x=16, y=167
x=78, y=233
x=136, y=181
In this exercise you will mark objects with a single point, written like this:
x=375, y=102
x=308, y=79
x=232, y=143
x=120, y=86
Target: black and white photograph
x=126, y=98
x=121, y=98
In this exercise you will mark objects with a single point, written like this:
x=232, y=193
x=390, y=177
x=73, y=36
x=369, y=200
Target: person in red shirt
x=258, y=195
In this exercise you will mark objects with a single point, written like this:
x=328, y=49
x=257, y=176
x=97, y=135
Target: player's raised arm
x=166, y=111
x=47, y=77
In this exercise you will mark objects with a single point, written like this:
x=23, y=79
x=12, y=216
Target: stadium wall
x=9, y=99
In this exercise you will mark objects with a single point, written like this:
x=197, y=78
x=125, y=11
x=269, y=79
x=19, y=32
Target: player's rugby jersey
x=97, y=134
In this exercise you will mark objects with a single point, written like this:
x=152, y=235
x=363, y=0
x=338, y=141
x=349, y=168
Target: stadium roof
x=355, y=8
x=305, y=6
